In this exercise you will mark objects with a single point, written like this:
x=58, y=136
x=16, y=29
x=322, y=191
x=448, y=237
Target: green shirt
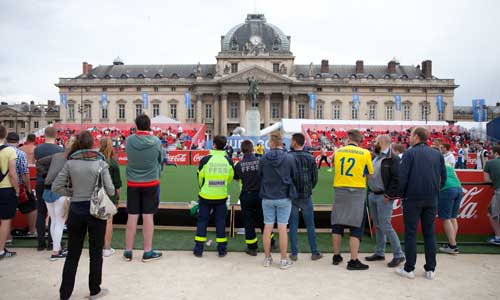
x=452, y=180
x=492, y=167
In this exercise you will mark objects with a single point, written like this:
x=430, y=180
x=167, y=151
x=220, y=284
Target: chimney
x=89, y=67
x=391, y=67
x=84, y=67
x=324, y=66
x=427, y=68
x=359, y=67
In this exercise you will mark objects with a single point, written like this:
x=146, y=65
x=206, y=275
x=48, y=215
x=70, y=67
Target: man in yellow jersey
x=353, y=165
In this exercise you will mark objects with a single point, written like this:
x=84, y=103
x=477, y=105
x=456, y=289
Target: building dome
x=118, y=61
x=255, y=32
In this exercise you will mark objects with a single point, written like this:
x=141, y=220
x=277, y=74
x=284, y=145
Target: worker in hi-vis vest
x=215, y=172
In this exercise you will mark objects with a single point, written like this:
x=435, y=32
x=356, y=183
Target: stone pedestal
x=253, y=122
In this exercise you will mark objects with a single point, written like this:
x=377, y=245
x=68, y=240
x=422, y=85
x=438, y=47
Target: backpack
x=43, y=166
x=3, y=175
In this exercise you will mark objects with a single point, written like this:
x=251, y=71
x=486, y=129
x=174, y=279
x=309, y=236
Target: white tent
x=161, y=119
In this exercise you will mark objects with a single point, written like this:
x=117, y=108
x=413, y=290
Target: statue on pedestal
x=253, y=90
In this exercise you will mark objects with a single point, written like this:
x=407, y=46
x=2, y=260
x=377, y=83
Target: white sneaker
x=401, y=272
x=430, y=275
x=108, y=252
x=285, y=264
x=268, y=261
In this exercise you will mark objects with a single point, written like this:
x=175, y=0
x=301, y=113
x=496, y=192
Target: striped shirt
x=305, y=175
x=21, y=164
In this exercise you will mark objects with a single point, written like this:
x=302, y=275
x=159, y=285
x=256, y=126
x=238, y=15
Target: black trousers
x=413, y=213
x=325, y=159
x=41, y=216
x=78, y=226
x=251, y=209
x=219, y=210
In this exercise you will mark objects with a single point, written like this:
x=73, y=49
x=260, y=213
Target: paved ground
x=179, y=275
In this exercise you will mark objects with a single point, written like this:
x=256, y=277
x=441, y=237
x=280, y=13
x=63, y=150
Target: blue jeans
x=308, y=215
x=424, y=211
x=381, y=213
x=276, y=210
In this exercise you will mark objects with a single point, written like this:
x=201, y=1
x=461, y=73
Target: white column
x=267, y=110
x=223, y=114
x=242, y=110
x=286, y=109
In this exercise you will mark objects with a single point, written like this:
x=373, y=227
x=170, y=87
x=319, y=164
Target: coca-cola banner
x=473, y=213
x=180, y=157
x=317, y=157
x=197, y=155
x=122, y=158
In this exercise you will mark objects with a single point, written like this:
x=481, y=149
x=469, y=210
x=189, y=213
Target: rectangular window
x=302, y=111
x=87, y=111
x=104, y=89
x=122, y=89
x=354, y=112
x=172, y=89
x=138, y=110
x=408, y=90
x=336, y=112
x=23, y=124
x=71, y=111
x=372, y=111
x=276, y=67
x=104, y=113
x=156, y=110
x=389, y=112
x=234, y=68
x=208, y=111
x=173, y=111
x=372, y=90
x=337, y=90
x=36, y=124
x=389, y=90
x=406, y=112
x=233, y=110
x=424, y=112
x=319, y=111
x=354, y=89
x=121, y=111
x=156, y=89
x=275, y=110
x=138, y=89
x=191, y=112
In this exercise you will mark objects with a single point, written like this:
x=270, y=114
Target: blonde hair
x=106, y=148
x=70, y=143
x=276, y=139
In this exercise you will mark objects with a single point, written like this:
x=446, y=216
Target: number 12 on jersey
x=350, y=164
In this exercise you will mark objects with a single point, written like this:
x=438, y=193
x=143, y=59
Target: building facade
x=27, y=118
x=260, y=50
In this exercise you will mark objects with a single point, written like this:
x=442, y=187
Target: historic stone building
x=261, y=50
x=26, y=118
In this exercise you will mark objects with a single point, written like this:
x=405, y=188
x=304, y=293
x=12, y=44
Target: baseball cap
x=12, y=137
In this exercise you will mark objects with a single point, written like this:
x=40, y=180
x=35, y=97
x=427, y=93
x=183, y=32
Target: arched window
x=140, y=76
x=124, y=76
x=404, y=77
x=175, y=76
x=192, y=76
x=387, y=76
x=158, y=75
x=336, y=76
x=370, y=76
x=210, y=76
x=317, y=76
x=91, y=76
x=107, y=76
x=353, y=76
x=300, y=76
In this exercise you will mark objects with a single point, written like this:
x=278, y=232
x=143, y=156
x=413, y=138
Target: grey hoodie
x=276, y=169
x=144, y=158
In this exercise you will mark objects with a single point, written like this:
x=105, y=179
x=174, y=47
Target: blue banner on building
x=104, y=100
x=397, y=100
x=312, y=100
x=145, y=100
x=187, y=98
x=355, y=101
x=440, y=104
x=64, y=100
x=479, y=110
x=235, y=141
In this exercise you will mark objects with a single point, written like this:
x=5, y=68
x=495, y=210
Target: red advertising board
x=197, y=155
x=180, y=157
x=472, y=216
x=122, y=158
x=317, y=156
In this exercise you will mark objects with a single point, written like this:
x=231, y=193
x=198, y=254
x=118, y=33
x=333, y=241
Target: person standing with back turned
x=143, y=179
x=353, y=165
x=421, y=175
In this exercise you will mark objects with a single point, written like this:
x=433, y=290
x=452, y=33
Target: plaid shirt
x=305, y=176
x=21, y=164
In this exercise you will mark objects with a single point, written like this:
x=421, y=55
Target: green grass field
x=180, y=185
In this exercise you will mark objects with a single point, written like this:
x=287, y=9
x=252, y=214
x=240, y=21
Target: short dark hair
x=298, y=138
x=399, y=148
x=220, y=142
x=246, y=147
x=143, y=122
x=422, y=133
x=3, y=132
x=447, y=146
x=496, y=149
x=355, y=135
x=50, y=132
x=31, y=138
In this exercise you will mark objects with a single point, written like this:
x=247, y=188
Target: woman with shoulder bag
x=106, y=149
x=84, y=169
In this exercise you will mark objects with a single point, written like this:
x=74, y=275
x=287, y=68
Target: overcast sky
x=41, y=41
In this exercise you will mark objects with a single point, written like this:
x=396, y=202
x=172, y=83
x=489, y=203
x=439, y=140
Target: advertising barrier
x=472, y=216
x=317, y=157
